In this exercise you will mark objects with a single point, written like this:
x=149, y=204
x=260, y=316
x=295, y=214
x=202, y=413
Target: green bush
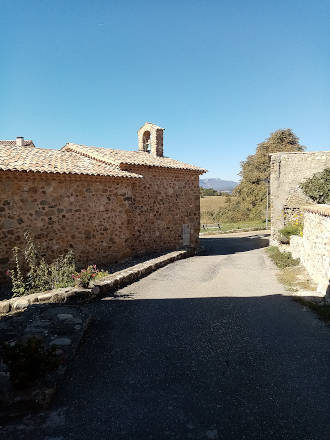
x=318, y=187
x=29, y=361
x=85, y=276
x=208, y=192
x=32, y=274
x=291, y=229
x=282, y=259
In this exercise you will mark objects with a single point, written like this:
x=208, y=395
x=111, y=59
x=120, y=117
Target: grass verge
x=281, y=259
x=295, y=278
x=293, y=275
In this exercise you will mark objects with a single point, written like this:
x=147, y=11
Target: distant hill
x=218, y=184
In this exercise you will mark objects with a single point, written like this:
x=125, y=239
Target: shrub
x=32, y=274
x=291, y=229
x=85, y=276
x=282, y=259
x=208, y=192
x=294, y=227
x=29, y=361
x=318, y=187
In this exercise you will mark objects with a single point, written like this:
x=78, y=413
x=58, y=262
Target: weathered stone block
x=45, y=297
x=4, y=307
x=20, y=304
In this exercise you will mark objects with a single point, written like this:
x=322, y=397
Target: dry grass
x=296, y=278
x=212, y=203
x=281, y=259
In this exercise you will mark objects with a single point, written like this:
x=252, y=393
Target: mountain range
x=218, y=184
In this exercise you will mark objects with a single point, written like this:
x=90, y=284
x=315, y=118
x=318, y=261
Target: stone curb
x=99, y=289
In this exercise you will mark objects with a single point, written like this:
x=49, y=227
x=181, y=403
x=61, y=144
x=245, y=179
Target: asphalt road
x=205, y=348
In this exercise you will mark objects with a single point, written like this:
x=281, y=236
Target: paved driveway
x=205, y=348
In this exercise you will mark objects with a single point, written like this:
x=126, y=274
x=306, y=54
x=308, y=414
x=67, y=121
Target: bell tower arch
x=150, y=138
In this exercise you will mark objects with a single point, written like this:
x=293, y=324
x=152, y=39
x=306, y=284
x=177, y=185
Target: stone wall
x=313, y=248
x=162, y=202
x=103, y=219
x=288, y=170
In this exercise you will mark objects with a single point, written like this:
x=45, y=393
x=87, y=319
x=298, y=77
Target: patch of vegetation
x=101, y=274
x=85, y=276
x=296, y=278
x=281, y=259
x=318, y=187
x=322, y=310
x=29, y=361
x=291, y=229
x=208, y=192
x=32, y=274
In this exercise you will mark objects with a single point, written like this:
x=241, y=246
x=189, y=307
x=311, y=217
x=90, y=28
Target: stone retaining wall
x=313, y=248
x=288, y=171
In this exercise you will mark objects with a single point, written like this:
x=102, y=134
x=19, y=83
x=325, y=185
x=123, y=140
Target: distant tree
x=249, y=199
x=207, y=192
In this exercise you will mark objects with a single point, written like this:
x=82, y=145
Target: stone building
x=288, y=171
x=105, y=204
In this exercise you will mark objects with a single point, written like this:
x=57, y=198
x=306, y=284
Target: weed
x=296, y=278
x=289, y=230
x=32, y=274
x=85, y=276
x=281, y=259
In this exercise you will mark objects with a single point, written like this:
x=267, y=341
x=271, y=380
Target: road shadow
x=206, y=368
x=232, y=245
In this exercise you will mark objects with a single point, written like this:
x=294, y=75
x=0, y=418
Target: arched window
x=146, y=141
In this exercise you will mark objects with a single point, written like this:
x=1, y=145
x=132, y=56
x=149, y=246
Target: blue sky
x=218, y=75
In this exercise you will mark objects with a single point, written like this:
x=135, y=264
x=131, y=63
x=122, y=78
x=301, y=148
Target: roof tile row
x=81, y=159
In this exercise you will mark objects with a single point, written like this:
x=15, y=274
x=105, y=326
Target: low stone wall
x=98, y=288
x=313, y=248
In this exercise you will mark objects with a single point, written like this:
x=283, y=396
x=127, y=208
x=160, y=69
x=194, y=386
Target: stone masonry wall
x=161, y=203
x=88, y=215
x=288, y=170
x=102, y=219
x=313, y=248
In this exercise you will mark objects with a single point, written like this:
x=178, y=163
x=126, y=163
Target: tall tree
x=249, y=199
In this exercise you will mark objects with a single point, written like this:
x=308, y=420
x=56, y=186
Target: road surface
x=206, y=348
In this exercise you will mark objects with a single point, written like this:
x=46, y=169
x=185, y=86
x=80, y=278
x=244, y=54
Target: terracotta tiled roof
x=121, y=157
x=55, y=161
x=27, y=143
